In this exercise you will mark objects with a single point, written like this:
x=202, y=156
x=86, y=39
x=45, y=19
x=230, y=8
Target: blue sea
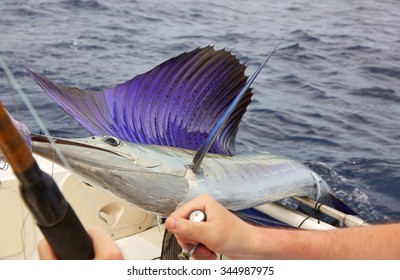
x=329, y=97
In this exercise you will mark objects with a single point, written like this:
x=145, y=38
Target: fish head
x=148, y=176
x=106, y=151
x=109, y=151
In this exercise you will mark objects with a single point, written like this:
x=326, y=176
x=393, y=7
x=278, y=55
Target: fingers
x=203, y=253
x=103, y=245
x=185, y=230
x=220, y=233
x=178, y=223
x=190, y=232
x=45, y=252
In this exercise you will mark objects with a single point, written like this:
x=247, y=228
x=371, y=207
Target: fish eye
x=112, y=141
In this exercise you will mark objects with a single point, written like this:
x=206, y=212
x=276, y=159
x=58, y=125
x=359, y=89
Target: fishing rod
x=53, y=214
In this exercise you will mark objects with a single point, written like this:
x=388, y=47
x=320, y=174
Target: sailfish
x=168, y=135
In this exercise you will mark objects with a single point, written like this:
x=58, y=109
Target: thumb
x=184, y=228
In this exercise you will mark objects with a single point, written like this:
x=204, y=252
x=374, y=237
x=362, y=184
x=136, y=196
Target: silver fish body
x=159, y=178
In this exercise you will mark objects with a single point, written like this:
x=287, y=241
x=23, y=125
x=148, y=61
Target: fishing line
x=22, y=231
x=318, y=209
x=303, y=221
x=317, y=206
x=18, y=113
x=52, y=165
x=23, y=235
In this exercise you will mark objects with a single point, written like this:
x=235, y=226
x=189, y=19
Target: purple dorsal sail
x=175, y=104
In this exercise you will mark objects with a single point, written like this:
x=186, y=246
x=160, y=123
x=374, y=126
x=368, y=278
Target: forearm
x=372, y=242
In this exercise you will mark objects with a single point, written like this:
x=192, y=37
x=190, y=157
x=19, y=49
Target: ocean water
x=329, y=97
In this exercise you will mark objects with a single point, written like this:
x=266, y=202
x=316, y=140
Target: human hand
x=103, y=246
x=223, y=232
